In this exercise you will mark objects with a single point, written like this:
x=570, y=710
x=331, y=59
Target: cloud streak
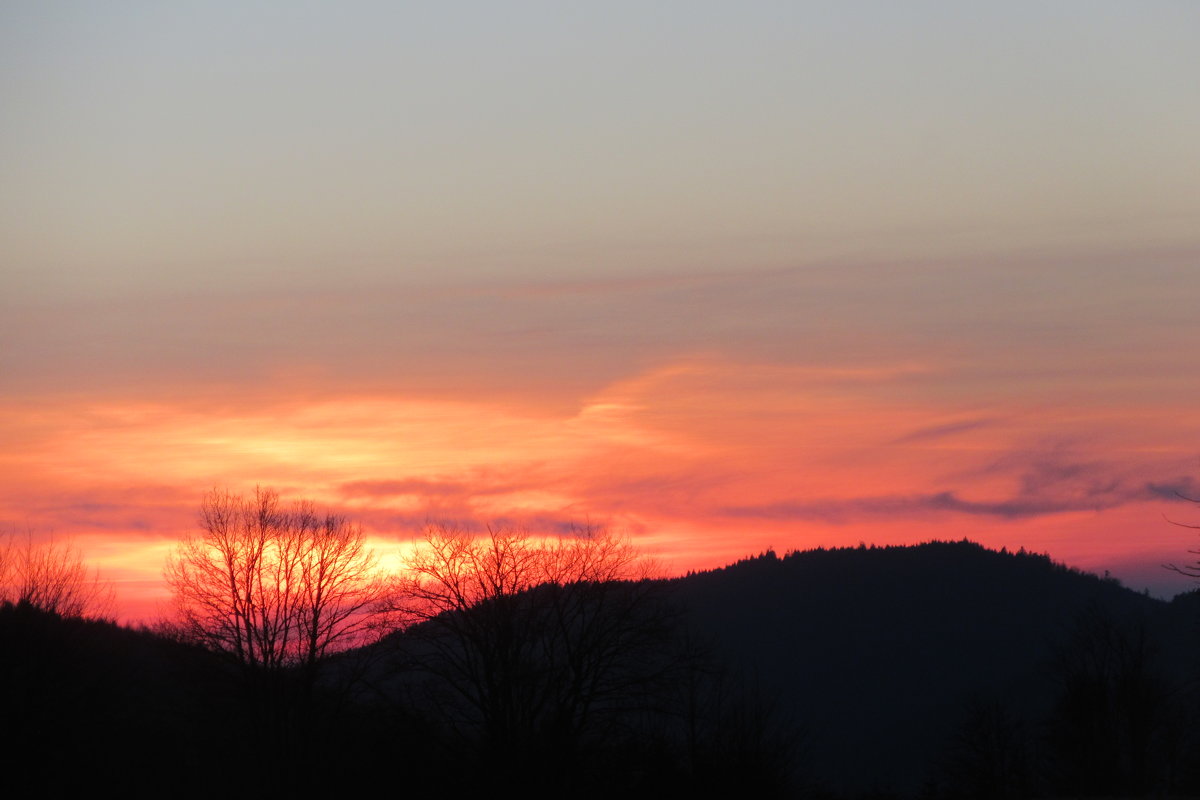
x=942, y=431
x=870, y=509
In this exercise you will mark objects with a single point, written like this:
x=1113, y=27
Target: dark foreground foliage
x=944, y=670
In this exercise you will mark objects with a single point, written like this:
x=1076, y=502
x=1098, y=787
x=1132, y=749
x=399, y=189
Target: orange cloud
x=703, y=459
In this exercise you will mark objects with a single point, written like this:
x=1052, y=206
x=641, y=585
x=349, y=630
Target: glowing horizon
x=701, y=462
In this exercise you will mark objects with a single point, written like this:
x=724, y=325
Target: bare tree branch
x=533, y=642
x=273, y=587
x=1190, y=570
x=51, y=575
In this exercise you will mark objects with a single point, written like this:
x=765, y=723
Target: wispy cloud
x=944, y=430
x=1023, y=505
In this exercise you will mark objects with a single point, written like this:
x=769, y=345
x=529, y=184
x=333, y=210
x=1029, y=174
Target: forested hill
x=940, y=670
x=884, y=654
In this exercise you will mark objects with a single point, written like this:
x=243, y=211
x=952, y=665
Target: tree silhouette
x=533, y=648
x=991, y=755
x=275, y=590
x=51, y=575
x=273, y=587
x=1190, y=570
x=1112, y=727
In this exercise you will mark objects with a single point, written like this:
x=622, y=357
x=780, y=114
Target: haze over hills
x=898, y=671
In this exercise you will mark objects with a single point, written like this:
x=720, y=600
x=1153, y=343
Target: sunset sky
x=721, y=276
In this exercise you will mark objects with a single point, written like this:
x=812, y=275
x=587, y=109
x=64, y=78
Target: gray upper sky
x=170, y=147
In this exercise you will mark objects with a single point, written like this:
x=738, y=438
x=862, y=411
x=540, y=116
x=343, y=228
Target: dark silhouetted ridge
x=880, y=649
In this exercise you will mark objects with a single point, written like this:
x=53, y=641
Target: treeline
x=497, y=660
x=1118, y=722
x=564, y=665
x=520, y=704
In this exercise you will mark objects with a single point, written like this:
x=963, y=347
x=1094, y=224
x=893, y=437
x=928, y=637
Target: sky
x=720, y=277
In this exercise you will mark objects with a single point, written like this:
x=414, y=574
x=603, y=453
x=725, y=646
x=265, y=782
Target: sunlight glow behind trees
x=271, y=586
x=51, y=575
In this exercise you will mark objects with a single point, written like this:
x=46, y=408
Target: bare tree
x=1115, y=724
x=51, y=575
x=1190, y=570
x=531, y=646
x=276, y=589
x=273, y=587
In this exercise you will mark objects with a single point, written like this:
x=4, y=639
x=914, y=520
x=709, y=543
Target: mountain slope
x=879, y=652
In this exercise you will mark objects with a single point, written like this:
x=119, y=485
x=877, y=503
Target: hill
x=882, y=653
x=937, y=670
